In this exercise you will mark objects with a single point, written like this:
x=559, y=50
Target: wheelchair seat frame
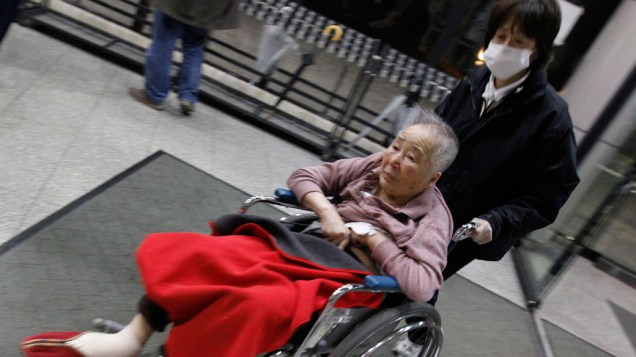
x=358, y=331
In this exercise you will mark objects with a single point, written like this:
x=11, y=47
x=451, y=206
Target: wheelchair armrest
x=282, y=197
x=286, y=195
x=381, y=282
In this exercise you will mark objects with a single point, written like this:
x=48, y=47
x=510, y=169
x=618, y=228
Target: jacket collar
x=531, y=89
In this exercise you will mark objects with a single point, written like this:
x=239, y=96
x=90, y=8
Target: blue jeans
x=165, y=32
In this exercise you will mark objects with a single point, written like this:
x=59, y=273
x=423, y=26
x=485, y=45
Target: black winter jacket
x=516, y=165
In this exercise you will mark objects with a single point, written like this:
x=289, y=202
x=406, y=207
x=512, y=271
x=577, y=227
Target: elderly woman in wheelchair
x=252, y=285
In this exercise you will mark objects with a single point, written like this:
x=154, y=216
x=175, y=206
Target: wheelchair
x=364, y=332
x=347, y=332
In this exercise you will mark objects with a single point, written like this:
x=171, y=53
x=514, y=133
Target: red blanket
x=235, y=295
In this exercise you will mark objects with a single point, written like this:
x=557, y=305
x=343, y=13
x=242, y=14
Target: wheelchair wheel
x=378, y=335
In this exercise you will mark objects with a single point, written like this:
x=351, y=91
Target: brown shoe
x=140, y=95
x=186, y=107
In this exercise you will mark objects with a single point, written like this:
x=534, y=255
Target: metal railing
x=290, y=101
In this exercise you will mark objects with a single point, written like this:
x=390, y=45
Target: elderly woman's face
x=406, y=164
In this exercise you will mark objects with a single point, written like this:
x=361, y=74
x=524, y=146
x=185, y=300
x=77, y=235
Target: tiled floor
x=67, y=125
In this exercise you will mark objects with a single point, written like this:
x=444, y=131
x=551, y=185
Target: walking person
x=516, y=165
x=189, y=21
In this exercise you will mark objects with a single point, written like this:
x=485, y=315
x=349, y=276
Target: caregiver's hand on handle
x=482, y=233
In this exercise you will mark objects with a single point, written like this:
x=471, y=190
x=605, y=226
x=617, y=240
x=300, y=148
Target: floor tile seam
x=98, y=95
x=46, y=181
x=152, y=143
x=15, y=99
x=20, y=195
x=28, y=87
x=89, y=113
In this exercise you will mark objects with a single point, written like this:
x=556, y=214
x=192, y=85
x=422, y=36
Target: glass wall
x=599, y=222
x=615, y=239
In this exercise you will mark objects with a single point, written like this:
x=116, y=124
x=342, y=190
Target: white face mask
x=505, y=61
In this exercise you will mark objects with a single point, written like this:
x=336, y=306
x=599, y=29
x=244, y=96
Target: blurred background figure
x=188, y=21
x=8, y=13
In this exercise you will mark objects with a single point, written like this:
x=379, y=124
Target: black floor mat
x=78, y=264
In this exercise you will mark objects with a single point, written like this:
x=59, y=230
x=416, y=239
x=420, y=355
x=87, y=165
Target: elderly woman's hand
x=369, y=241
x=332, y=225
x=335, y=230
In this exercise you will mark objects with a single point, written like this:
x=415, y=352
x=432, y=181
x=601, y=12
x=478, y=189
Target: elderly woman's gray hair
x=443, y=136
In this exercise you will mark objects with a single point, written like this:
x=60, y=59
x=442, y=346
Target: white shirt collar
x=490, y=92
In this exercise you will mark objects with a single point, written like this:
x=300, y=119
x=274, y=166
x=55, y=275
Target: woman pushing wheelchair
x=244, y=289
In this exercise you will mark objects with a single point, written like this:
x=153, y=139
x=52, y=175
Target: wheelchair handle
x=461, y=232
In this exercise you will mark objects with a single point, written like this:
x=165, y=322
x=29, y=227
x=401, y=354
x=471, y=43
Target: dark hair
x=539, y=20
